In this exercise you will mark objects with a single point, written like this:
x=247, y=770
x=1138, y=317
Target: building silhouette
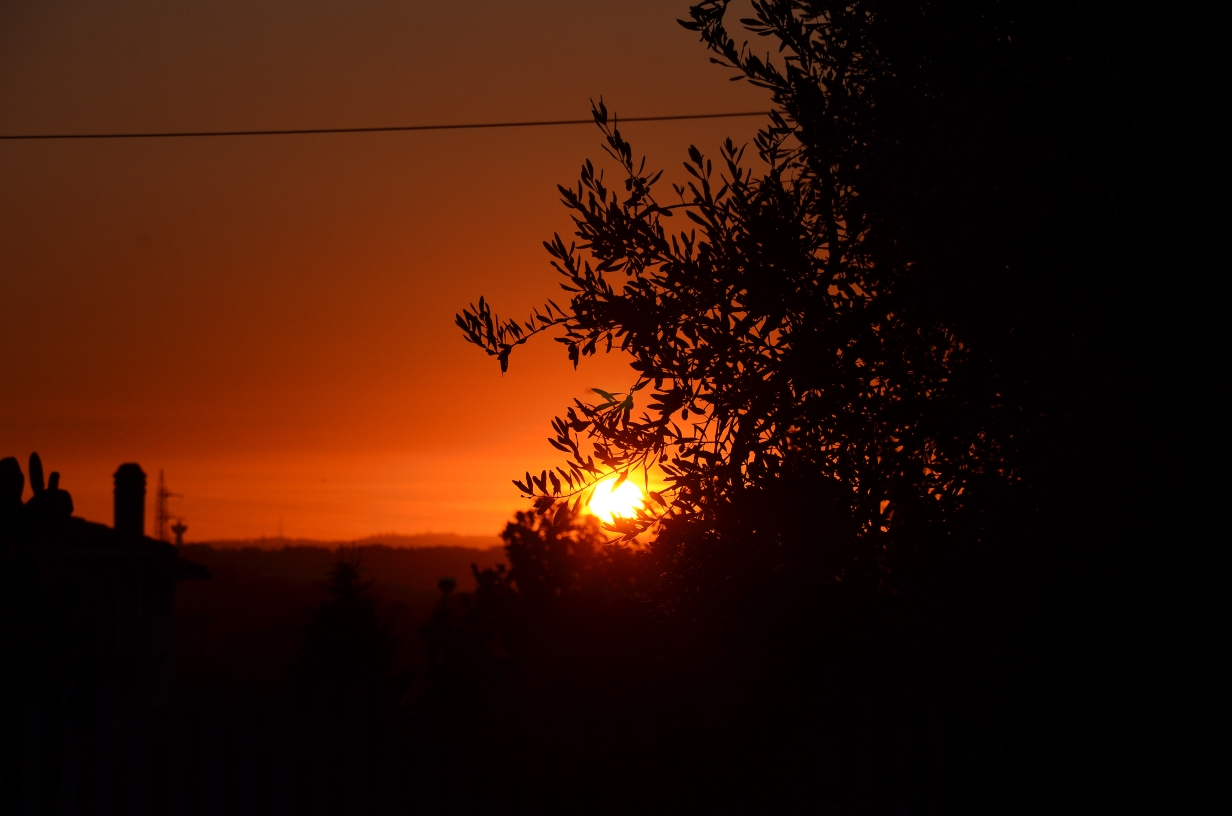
x=84, y=602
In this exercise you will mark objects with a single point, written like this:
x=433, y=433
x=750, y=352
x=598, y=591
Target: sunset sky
x=270, y=319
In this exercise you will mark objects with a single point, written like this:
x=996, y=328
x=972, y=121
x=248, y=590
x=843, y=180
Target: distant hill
x=395, y=540
x=242, y=624
x=398, y=571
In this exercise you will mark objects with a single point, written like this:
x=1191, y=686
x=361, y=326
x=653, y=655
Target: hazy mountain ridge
x=392, y=540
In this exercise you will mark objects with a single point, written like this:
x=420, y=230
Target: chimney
x=130, y=500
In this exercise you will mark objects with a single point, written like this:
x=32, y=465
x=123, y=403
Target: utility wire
x=397, y=129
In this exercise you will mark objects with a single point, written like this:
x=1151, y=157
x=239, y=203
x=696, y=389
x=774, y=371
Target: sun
x=608, y=503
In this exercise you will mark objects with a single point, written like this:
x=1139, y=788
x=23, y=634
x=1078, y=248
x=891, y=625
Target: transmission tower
x=162, y=516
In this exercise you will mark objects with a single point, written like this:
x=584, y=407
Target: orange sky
x=270, y=319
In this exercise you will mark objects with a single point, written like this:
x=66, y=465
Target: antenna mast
x=162, y=516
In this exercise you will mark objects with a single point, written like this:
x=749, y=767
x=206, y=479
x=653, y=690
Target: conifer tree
x=347, y=641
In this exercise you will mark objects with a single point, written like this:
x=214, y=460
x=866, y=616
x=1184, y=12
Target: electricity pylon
x=162, y=517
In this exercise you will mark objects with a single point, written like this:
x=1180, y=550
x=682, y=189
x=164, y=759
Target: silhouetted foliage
x=915, y=385
x=551, y=555
x=557, y=554
x=347, y=641
x=786, y=382
x=543, y=666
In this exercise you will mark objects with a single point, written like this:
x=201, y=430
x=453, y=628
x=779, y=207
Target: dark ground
x=242, y=625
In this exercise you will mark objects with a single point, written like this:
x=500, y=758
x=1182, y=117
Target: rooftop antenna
x=162, y=517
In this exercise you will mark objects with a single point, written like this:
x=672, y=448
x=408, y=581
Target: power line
x=393, y=129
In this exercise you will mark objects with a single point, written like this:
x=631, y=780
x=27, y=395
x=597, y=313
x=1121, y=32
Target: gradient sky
x=270, y=319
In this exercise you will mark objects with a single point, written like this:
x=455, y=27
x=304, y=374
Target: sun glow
x=610, y=502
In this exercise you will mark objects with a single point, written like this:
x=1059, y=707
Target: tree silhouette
x=560, y=554
x=550, y=554
x=930, y=406
x=541, y=665
x=347, y=641
x=786, y=383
